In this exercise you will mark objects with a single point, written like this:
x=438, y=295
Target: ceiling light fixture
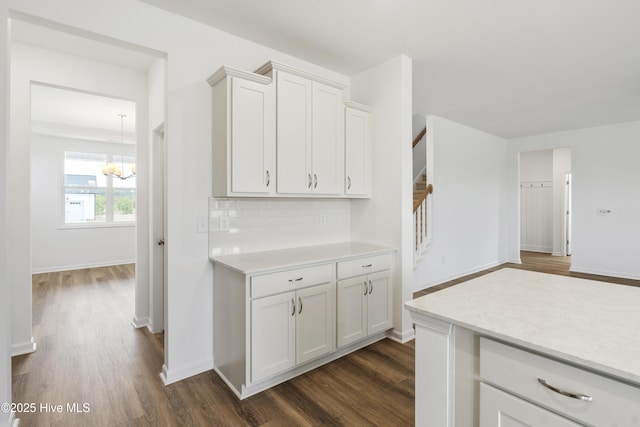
x=110, y=169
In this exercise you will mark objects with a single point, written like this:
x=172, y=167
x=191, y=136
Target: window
x=91, y=197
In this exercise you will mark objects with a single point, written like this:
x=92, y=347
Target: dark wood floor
x=88, y=352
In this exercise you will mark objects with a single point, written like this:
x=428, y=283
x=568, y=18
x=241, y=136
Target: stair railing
x=420, y=218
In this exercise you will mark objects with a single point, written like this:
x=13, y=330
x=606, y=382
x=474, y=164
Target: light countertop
x=265, y=261
x=589, y=323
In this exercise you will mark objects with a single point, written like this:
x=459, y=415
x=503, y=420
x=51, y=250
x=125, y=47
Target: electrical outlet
x=201, y=224
x=323, y=219
x=224, y=223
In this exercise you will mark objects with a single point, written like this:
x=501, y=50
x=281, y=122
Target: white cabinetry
x=498, y=408
x=291, y=328
x=357, y=140
x=364, y=300
x=274, y=312
x=243, y=134
x=310, y=132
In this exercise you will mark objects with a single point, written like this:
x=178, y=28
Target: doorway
x=41, y=56
x=545, y=203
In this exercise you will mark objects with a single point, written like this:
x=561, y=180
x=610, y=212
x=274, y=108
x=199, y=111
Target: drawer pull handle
x=367, y=266
x=295, y=280
x=565, y=393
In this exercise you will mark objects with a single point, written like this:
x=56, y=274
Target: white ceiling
x=508, y=67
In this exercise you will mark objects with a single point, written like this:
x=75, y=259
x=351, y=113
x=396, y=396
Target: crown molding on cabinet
x=357, y=106
x=234, y=72
x=273, y=65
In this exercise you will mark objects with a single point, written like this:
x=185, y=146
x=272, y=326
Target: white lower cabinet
x=270, y=326
x=291, y=328
x=500, y=409
x=364, y=302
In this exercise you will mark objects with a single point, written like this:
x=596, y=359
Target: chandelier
x=117, y=171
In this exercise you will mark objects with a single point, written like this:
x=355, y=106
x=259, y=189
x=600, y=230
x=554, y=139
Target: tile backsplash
x=250, y=225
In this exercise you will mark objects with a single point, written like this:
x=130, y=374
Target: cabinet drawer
x=283, y=281
x=521, y=372
x=366, y=265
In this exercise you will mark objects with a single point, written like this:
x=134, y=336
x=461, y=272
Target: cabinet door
x=498, y=408
x=379, y=308
x=252, y=157
x=293, y=134
x=315, y=322
x=352, y=310
x=272, y=335
x=327, y=141
x=357, y=152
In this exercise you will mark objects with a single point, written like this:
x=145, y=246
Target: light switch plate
x=201, y=224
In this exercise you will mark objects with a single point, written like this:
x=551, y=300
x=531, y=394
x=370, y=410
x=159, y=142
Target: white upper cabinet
x=243, y=134
x=357, y=150
x=310, y=132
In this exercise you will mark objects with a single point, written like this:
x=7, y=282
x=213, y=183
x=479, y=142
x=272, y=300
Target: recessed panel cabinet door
x=379, y=302
x=315, y=324
x=498, y=408
x=252, y=159
x=293, y=134
x=272, y=335
x=352, y=310
x=357, y=152
x=327, y=141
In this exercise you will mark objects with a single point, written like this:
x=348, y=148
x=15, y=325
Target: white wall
x=469, y=192
x=5, y=316
x=194, y=52
x=386, y=217
x=536, y=166
x=605, y=176
x=31, y=64
x=55, y=248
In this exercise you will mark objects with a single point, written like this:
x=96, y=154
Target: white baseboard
x=140, y=322
x=171, y=376
x=56, y=269
x=23, y=348
x=458, y=275
x=622, y=275
x=402, y=337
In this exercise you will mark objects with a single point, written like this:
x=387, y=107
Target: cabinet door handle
x=366, y=289
x=348, y=183
x=300, y=301
x=293, y=307
x=315, y=180
x=565, y=393
x=268, y=178
x=308, y=180
x=370, y=287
